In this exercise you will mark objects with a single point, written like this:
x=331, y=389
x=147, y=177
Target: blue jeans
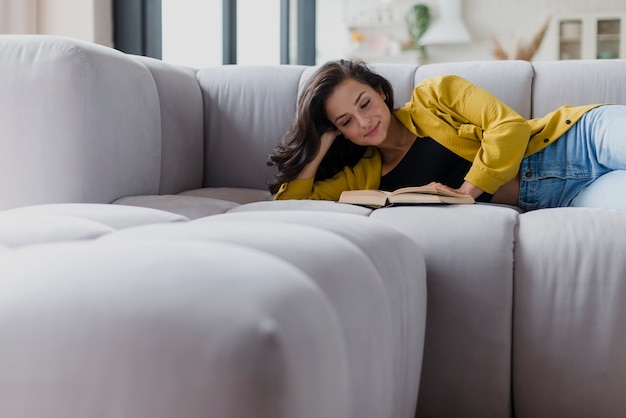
x=585, y=167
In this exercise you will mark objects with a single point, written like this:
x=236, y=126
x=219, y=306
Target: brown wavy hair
x=301, y=142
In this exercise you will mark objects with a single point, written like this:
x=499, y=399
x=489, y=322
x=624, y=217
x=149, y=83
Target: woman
x=347, y=136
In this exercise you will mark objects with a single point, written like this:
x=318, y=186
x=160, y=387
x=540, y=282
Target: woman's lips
x=374, y=130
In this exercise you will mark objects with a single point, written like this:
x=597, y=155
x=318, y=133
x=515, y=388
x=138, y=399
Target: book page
x=428, y=190
x=413, y=198
x=364, y=197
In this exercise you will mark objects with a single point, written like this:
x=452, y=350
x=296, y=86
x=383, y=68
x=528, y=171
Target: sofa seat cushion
x=114, y=216
x=199, y=203
x=401, y=268
x=19, y=229
x=342, y=270
x=232, y=194
x=569, y=339
x=165, y=329
x=191, y=207
x=306, y=205
x=468, y=251
x=40, y=224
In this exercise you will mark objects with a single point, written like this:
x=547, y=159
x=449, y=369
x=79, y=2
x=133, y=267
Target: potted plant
x=417, y=20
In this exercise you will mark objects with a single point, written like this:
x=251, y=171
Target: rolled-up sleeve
x=364, y=175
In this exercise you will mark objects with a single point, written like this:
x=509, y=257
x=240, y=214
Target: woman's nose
x=364, y=120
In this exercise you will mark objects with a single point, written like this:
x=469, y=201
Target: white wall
x=507, y=20
x=89, y=20
x=186, y=33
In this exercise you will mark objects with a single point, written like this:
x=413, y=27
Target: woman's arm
x=473, y=123
x=364, y=175
x=326, y=140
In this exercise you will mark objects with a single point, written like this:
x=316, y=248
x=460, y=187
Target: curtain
x=18, y=16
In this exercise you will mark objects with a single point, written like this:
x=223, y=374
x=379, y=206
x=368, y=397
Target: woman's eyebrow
x=358, y=98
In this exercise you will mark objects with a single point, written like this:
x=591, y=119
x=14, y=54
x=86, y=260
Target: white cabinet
x=599, y=36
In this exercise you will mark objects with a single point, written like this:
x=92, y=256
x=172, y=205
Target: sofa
x=145, y=270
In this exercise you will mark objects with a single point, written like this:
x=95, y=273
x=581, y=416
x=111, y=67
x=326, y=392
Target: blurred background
x=200, y=33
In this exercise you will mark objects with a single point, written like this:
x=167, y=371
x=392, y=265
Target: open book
x=404, y=196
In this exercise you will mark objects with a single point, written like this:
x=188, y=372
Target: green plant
x=418, y=20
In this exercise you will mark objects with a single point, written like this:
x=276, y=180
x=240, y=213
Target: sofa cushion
x=306, y=205
x=400, y=264
x=468, y=251
x=112, y=216
x=191, y=207
x=22, y=228
x=165, y=329
x=569, y=339
x=247, y=109
x=510, y=81
x=81, y=123
x=577, y=82
x=182, y=125
x=343, y=272
x=232, y=194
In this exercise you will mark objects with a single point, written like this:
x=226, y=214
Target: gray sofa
x=145, y=271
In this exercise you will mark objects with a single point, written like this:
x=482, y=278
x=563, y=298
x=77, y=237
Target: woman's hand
x=466, y=188
x=470, y=189
x=326, y=140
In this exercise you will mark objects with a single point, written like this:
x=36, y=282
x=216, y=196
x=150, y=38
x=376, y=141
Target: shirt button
x=568, y=122
x=528, y=174
x=546, y=140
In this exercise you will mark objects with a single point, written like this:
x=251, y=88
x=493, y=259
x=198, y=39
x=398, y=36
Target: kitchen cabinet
x=596, y=36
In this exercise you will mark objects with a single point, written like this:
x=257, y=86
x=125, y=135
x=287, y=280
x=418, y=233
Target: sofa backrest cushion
x=510, y=81
x=577, y=82
x=182, y=126
x=80, y=123
x=247, y=109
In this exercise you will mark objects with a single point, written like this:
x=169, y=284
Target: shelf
x=608, y=37
x=591, y=36
x=377, y=26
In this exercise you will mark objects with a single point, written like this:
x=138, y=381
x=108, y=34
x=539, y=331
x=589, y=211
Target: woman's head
x=301, y=142
x=321, y=86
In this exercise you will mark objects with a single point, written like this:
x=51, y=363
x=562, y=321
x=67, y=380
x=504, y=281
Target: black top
x=428, y=161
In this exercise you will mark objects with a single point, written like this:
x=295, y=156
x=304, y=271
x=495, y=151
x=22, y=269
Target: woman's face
x=359, y=112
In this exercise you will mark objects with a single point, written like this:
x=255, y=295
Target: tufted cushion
x=18, y=229
x=343, y=272
x=165, y=329
x=400, y=264
x=113, y=216
x=191, y=207
x=308, y=205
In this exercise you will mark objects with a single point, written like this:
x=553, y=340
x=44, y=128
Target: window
x=192, y=32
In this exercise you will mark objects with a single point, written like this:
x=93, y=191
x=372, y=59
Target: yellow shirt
x=467, y=120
